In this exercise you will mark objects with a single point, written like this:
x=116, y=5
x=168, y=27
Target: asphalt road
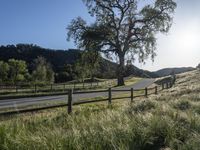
x=24, y=102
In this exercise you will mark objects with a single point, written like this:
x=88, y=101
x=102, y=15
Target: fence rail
x=36, y=88
x=109, y=98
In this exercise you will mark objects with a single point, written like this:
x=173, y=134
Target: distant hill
x=168, y=71
x=135, y=71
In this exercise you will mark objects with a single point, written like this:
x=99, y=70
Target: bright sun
x=187, y=38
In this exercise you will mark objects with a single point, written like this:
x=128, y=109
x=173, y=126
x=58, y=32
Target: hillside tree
x=123, y=28
x=4, y=70
x=17, y=70
x=43, y=71
x=91, y=59
x=81, y=70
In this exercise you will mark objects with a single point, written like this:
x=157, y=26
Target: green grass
x=168, y=121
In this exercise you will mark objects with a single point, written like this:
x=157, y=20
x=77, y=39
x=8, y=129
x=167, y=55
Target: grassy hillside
x=168, y=121
x=168, y=71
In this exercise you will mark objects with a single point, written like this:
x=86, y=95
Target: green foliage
x=81, y=70
x=91, y=60
x=87, y=65
x=4, y=70
x=43, y=71
x=17, y=70
x=121, y=29
x=67, y=59
x=67, y=74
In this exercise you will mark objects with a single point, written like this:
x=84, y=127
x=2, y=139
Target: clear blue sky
x=44, y=22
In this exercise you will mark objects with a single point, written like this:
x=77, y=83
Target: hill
x=135, y=71
x=168, y=71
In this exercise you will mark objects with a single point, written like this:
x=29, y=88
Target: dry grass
x=168, y=121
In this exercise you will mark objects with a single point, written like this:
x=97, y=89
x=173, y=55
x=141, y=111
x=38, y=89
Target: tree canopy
x=43, y=71
x=17, y=70
x=123, y=28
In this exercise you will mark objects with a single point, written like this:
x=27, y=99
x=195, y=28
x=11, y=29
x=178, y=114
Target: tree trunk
x=120, y=71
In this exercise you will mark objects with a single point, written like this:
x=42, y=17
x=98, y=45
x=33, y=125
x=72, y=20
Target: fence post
x=74, y=84
x=51, y=87
x=131, y=95
x=163, y=86
x=109, y=96
x=83, y=84
x=156, y=90
x=167, y=85
x=64, y=88
x=35, y=88
x=146, y=92
x=16, y=88
x=70, y=101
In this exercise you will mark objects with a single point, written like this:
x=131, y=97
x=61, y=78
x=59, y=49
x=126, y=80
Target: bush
x=144, y=106
x=183, y=105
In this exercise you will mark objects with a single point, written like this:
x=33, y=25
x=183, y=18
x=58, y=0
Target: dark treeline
x=62, y=62
x=65, y=64
x=29, y=52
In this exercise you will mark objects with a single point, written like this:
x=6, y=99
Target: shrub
x=182, y=105
x=144, y=106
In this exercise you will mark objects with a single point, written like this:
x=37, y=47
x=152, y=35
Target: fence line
x=70, y=94
x=36, y=88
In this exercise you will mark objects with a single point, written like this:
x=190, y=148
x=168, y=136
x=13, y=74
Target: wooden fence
x=50, y=88
x=109, y=98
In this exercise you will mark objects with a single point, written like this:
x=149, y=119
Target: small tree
x=81, y=70
x=87, y=65
x=122, y=28
x=4, y=69
x=43, y=71
x=69, y=71
x=91, y=60
x=50, y=74
x=17, y=70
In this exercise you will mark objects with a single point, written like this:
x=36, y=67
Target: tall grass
x=166, y=121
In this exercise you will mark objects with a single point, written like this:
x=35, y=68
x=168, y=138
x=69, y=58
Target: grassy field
x=168, y=121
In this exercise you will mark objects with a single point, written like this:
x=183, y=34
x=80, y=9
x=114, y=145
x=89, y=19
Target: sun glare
x=187, y=39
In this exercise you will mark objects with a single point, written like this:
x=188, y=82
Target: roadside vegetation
x=170, y=120
x=32, y=90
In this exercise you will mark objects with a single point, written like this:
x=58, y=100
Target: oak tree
x=123, y=28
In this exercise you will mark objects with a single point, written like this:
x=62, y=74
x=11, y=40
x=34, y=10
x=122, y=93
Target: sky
x=44, y=22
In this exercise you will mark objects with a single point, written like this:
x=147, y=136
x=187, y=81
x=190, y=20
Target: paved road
x=21, y=102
